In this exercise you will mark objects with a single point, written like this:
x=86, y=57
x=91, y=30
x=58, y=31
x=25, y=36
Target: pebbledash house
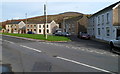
x=105, y=24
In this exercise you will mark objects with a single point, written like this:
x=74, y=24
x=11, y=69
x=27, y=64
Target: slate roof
x=109, y=7
x=38, y=22
x=14, y=22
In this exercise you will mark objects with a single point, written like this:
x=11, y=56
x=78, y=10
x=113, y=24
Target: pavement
x=75, y=56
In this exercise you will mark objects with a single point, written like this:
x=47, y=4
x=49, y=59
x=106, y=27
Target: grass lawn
x=40, y=37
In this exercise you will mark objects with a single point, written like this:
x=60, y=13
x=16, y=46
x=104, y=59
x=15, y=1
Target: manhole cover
x=42, y=66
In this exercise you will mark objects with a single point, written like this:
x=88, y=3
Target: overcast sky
x=16, y=9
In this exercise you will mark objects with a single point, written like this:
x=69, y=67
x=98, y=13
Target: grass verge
x=40, y=37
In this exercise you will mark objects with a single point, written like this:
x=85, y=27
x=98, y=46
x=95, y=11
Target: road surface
x=31, y=56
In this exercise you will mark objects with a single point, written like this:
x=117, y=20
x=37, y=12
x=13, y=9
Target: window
x=102, y=19
x=31, y=25
x=39, y=30
x=107, y=31
x=27, y=29
x=34, y=25
x=107, y=18
x=47, y=31
x=98, y=20
x=43, y=26
x=93, y=21
x=34, y=29
x=39, y=26
x=98, y=31
x=47, y=26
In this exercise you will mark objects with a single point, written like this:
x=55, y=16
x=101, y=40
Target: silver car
x=115, y=44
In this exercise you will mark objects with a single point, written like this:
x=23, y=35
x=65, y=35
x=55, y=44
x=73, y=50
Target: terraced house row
x=105, y=24
x=37, y=28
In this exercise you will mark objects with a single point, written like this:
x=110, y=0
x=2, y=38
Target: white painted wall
x=21, y=24
x=8, y=27
x=103, y=31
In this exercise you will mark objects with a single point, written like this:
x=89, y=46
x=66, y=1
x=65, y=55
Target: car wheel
x=111, y=47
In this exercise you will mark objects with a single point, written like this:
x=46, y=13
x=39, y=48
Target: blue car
x=30, y=32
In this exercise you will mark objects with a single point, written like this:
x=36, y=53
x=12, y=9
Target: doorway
x=118, y=32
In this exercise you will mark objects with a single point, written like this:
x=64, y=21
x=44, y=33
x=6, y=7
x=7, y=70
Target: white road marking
x=30, y=48
x=83, y=64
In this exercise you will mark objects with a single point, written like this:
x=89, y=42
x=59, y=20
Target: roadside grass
x=40, y=37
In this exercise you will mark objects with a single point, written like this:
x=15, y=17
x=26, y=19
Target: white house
x=15, y=27
x=38, y=28
x=105, y=24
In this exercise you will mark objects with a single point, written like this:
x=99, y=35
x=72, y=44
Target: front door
x=118, y=32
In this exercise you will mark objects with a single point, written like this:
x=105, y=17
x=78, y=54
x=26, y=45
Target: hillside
x=41, y=19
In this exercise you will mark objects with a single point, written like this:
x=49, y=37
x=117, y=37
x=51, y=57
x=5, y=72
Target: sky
x=16, y=9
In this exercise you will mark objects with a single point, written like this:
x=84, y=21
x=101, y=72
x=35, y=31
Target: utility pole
x=45, y=23
x=26, y=19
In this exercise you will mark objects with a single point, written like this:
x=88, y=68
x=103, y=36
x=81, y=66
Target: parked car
x=58, y=34
x=30, y=32
x=115, y=45
x=66, y=34
x=83, y=35
x=62, y=34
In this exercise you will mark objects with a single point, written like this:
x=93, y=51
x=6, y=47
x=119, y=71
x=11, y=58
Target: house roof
x=109, y=7
x=30, y=22
x=39, y=22
x=14, y=22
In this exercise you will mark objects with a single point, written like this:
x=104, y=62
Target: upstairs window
x=39, y=26
x=34, y=25
x=102, y=19
x=47, y=26
x=93, y=21
x=108, y=18
x=98, y=20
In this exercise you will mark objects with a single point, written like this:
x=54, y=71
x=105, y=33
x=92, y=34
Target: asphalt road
x=31, y=56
